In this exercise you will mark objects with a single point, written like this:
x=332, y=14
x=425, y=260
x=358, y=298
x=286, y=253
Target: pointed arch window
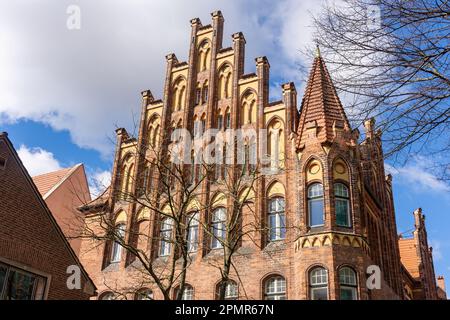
x=219, y=122
x=165, y=237
x=315, y=205
x=198, y=95
x=342, y=205
x=277, y=219
x=218, y=226
x=192, y=232
x=116, y=250
x=205, y=93
x=228, y=119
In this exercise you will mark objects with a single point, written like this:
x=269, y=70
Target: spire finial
x=317, y=49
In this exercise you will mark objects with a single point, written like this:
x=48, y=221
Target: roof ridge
x=62, y=179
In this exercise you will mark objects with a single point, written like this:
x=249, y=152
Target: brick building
x=326, y=215
x=417, y=264
x=64, y=191
x=34, y=253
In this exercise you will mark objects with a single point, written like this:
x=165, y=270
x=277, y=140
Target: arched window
x=231, y=290
x=220, y=122
x=180, y=101
x=198, y=95
x=204, y=56
x=348, y=284
x=188, y=292
x=116, y=250
x=155, y=136
x=342, y=205
x=144, y=294
x=165, y=237
x=315, y=205
x=218, y=227
x=224, y=83
x=108, y=296
x=275, y=288
x=205, y=93
x=228, y=119
x=277, y=219
x=192, y=232
x=318, y=283
x=227, y=89
x=250, y=112
x=275, y=143
x=203, y=125
x=196, y=127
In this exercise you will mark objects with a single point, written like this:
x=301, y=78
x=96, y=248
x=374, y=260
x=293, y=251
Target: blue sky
x=62, y=93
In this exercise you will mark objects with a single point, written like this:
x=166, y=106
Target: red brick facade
x=30, y=239
x=319, y=148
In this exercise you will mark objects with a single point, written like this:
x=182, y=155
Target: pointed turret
x=322, y=113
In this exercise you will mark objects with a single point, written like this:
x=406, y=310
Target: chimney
x=418, y=218
x=441, y=282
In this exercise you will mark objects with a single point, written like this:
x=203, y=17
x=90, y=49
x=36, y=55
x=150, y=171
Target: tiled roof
x=97, y=203
x=408, y=256
x=321, y=104
x=45, y=182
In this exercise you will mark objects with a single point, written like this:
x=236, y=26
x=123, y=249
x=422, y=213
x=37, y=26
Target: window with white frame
x=18, y=284
x=165, y=237
x=275, y=288
x=348, y=284
x=315, y=205
x=116, y=250
x=318, y=281
x=188, y=292
x=218, y=226
x=192, y=232
x=342, y=205
x=228, y=120
x=144, y=294
x=277, y=219
x=108, y=296
x=231, y=290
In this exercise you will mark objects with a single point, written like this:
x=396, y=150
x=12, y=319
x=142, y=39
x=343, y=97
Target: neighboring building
x=417, y=260
x=34, y=253
x=332, y=201
x=442, y=294
x=64, y=191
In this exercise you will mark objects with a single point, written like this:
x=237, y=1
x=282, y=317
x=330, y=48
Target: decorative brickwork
x=326, y=169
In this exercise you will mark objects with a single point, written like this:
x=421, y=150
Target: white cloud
x=416, y=174
x=98, y=182
x=88, y=81
x=37, y=160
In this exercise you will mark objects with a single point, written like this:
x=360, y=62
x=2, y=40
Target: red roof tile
x=45, y=182
x=408, y=256
x=320, y=104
